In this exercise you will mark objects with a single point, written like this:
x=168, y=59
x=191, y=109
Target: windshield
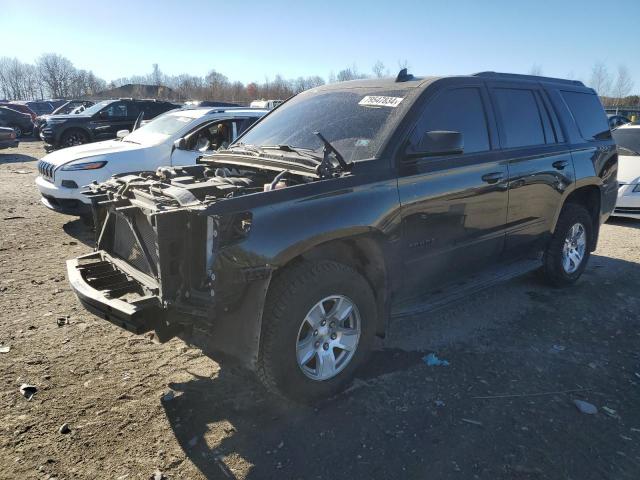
x=354, y=121
x=628, y=139
x=159, y=128
x=97, y=107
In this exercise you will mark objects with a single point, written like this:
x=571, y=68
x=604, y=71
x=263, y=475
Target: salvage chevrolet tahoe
x=348, y=206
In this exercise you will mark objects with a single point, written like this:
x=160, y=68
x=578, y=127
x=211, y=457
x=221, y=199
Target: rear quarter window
x=588, y=113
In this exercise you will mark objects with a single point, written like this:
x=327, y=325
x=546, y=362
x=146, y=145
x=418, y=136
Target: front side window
x=460, y=110
x=117, y=110
x=520, y=118
x=588, y=114
x=356, y=121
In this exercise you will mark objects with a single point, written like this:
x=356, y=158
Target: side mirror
x=122, y=133
x=435, y=143
x=180, y=144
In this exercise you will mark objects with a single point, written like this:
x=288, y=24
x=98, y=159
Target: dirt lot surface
x=531, y=349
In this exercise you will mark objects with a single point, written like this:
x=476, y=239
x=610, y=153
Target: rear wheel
x=18, y=130
x=318, y=327
x=568, y=251
x=74, y=137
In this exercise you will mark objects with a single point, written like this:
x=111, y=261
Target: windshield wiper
x=326, y=168
x=305, y=152
x=244, y=148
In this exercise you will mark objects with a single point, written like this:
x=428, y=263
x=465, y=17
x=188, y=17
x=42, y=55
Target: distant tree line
x=614, y=89
x=54, y=76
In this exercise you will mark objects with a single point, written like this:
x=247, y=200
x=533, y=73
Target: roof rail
x=537, y=78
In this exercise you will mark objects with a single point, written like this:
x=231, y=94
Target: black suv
x=20, y=122
x=98, y=122
x=349, y=205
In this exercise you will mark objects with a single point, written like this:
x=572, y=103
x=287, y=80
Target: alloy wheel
x=328, y=337
x=573, y=250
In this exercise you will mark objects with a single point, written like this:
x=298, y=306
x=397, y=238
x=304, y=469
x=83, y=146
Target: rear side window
x=460, y=110
x=520, y=118
x=588, y=114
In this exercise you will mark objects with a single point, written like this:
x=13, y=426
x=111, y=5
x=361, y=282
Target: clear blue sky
x=250, y=40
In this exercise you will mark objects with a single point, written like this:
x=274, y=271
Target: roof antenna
x=404, y=76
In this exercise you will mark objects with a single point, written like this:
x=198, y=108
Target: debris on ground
x=610, y=411
x=585, y=407
x=64, y=429
x=558, y=348
x=167, y=397
x=28, y=391
x=439, y=403
x=193, y=442
x=432, y=360
x=62, y=321
x=4, y=348
x=158, y=475
x=472, y=422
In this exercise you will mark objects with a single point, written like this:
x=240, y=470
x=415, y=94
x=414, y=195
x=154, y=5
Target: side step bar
x=459, y=290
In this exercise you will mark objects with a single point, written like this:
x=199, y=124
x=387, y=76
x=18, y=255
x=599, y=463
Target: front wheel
x=568, y=251
x=73, y=138
x=317, y=328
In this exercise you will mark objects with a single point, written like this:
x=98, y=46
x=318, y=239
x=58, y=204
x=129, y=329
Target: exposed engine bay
x=190, y=186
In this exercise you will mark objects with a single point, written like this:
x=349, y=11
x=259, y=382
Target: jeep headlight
x=84, y=165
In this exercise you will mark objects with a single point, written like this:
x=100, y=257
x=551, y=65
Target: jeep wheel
x=18, y=130
x=568, y=251
x=318, y=326
x=74, y=137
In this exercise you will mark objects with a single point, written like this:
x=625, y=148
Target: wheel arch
x=590, y=197
x=362, y=252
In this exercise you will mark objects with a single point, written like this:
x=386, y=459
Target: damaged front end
x=165, y=262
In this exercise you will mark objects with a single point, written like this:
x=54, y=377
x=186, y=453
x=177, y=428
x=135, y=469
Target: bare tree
x=622, y=86
x=600, y=79
x=535, y=70
x=156, y=75
x=378, y=69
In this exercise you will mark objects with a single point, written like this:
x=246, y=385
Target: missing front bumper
x=110, y=293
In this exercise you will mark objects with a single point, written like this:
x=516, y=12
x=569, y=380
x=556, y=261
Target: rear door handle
x=494, y=177
x=560, y=164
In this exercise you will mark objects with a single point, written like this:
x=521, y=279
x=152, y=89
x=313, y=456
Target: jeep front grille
x=46, y=170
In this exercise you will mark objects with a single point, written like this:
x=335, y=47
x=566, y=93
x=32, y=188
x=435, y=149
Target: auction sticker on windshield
x=380, y=101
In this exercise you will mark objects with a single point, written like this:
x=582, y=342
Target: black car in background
x=20, y=122
x=99, y=122
x=70, y=107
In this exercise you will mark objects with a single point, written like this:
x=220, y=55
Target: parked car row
x=288, y=245
x=178, y=137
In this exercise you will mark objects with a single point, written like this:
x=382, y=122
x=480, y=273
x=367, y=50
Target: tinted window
x=116, y=110
x=460, y=110
x=520, y=119
x=588, y=114
x=628, y=140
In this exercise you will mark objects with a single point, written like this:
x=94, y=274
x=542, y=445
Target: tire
x=73, y=137
x=18, y=130
x=561, y=268
x=292, y=297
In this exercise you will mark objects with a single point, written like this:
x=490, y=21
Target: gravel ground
x=519, y=355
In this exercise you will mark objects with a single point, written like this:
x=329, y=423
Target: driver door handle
x=560, y=164
x=494, y=177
